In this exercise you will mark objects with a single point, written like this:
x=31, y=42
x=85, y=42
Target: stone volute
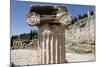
x=51, y=21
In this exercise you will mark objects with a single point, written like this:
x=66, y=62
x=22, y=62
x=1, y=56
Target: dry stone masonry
x=80, y=36
x=82, y=30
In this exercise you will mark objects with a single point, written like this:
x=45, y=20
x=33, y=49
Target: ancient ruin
x=51, y=21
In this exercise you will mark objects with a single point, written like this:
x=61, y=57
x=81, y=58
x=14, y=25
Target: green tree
x=92, y=13
x=74, y=20
x=85, y=15
x=31, y=34
x=80, y=17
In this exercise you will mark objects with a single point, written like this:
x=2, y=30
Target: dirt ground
x=24, y=57
x=30, y=57
x=74, y=57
